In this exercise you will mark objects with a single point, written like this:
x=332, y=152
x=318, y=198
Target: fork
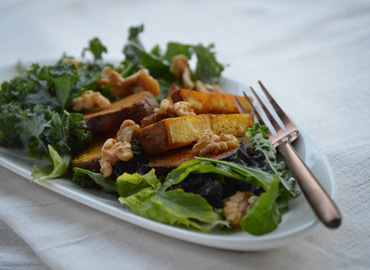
x=320, y=201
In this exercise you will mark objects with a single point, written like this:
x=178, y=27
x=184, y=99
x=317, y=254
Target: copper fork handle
x=321, y=203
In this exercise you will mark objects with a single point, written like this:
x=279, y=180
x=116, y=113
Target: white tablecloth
x=313, y=55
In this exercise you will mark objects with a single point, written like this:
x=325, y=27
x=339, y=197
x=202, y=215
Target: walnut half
x=128, y=131
x=122, y=87
x=91, y=101
x=206, y=88
x=112, y=151
x=180, y=67
x=164, y=107
x=181, y=108
x=210, y=143
x=238, y=206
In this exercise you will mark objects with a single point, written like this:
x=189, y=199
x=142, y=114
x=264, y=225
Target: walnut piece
x=180, y=67
x=164, y=107
x=181, y=108
x=112, y=151
x=128, y=131
x=206, y=88
x=187, y=79
x=140, y=81
x=238, y=206
x=111, y=78
x=91, y=101
x=210, y=143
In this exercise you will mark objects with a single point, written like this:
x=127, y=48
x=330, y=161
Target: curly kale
x=36, y=128
x=35, y=106
x=96, y=48
x=34, y=111
x=11, y=117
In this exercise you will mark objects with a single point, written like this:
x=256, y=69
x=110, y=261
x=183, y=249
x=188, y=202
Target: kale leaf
x=49, y=86
x=11, y=117
x=258, y=136
x=96, y=48
x=208, y=69
x=34, y=111
x=40, y=127
x=62, y=77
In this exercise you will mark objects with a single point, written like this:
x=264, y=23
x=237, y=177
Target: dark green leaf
x=208, y=70
x=174, y=49
x=63, y=77
x=108, y=185
x=134, y=35
x=264, y=216
x=258, y=136
x=96, y=48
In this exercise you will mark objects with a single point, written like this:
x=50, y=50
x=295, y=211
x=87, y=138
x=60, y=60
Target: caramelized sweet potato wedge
x=134, y=107
x=170, y=160
x=209, y=103
x=172, y=133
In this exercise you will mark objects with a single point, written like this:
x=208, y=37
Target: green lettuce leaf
x=264, y=216
x=129, y=184
x=174, y=207
x=196, y=166
x=224, y=168
x=185, y=205
x=59, y=167
x=144, y=195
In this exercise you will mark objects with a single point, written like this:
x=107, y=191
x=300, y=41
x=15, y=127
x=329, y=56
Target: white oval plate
x=296, y=223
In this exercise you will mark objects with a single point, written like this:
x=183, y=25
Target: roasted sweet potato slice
x=134, y=107
x=209, y=103
x=170, y=160
x=172, y=133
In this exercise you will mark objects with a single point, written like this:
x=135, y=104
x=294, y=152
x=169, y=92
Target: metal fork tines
x=290, y=133
x=322, y=204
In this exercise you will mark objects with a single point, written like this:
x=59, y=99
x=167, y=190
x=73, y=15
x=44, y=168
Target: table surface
x=315, y=59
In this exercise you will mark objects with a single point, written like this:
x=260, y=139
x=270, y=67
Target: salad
x=155, y=132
